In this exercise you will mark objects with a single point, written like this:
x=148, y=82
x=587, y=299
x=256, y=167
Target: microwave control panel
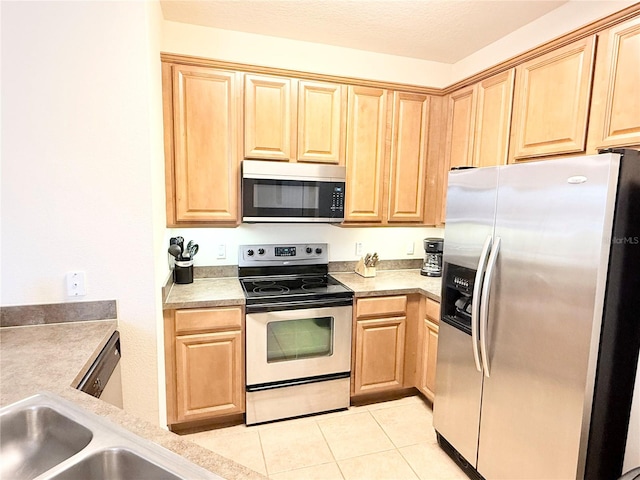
x=337, y=203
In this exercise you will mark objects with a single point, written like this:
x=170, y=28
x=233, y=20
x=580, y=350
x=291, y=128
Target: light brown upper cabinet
x=294, y=120
x=386, y=185
x=493, y=120
x=551, y=104
x=461, y=120
x=321, y=122
x=408, y=157
x=201, y=120
x=268, y=117
x=366, y=133
x=615, y=108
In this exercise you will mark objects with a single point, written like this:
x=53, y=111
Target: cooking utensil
x=175, y=251
x=180, y=243
x=374, y=259
x=189, y=245
x=367, y=259
x=193, y=250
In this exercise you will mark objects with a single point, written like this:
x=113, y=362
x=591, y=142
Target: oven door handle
x=298, y=305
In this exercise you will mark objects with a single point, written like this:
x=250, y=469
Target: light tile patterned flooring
x=392, y=440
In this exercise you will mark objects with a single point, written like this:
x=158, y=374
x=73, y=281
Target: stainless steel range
x=298, y=332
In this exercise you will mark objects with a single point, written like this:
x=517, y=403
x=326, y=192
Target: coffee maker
x=432, y=266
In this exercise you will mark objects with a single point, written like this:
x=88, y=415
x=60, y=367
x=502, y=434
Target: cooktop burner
x=287, y=273
x=294, y=287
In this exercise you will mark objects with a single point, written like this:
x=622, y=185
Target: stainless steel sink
x=115, y=464
x=45, y=437
x=34, y=439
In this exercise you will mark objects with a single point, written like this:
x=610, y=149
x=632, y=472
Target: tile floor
x=390, y=440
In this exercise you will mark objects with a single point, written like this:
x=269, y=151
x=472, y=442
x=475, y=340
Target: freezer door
x=471, y=201
x=545, y=310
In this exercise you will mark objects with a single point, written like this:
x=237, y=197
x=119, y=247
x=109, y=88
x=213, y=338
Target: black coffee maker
x=432, y=266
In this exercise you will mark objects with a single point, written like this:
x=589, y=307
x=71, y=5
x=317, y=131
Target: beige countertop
x=205, y=292
x=220, y=292
x=391, y=282
x=54, y=357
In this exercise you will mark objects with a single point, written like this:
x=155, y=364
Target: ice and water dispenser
x=457, y=296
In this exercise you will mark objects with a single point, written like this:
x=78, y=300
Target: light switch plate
x=222, y=251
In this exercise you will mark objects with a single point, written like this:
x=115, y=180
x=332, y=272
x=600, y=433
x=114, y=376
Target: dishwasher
x=103, y=379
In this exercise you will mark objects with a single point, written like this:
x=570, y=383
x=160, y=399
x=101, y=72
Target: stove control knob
x=318, y=250
x=261, y=251
x=250, y=252
x=309, y=250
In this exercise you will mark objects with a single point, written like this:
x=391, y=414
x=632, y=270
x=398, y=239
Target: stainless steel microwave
x=292, y=192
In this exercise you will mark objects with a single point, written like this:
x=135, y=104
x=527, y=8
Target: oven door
x=275, y=200
x=294, y=344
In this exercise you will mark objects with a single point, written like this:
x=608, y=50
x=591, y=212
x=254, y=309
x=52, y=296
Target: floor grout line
x=264, y=458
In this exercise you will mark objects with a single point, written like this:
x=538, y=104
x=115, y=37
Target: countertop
x=391, y=282
x=219, y=292
x=54, y=357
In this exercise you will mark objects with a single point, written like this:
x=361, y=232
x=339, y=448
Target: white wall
x=296, y=55
x=81, y=165
x=570, y=16
x=390, y=243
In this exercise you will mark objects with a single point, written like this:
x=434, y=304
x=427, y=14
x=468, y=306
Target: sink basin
x=45, y=437
x=115, y=464
x=36, y=438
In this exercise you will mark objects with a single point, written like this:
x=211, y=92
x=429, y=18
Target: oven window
x=298, y=339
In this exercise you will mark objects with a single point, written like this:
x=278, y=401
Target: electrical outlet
x=358, y=249
x=410, y=248
x=76, y=284
x=222, y=251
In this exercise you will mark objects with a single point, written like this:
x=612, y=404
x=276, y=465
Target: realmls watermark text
x=626, y=240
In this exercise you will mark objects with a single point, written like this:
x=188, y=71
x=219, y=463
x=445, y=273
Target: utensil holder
x=364, y=271
x=183, y=272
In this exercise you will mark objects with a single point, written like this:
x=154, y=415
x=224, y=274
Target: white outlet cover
x=76, y=284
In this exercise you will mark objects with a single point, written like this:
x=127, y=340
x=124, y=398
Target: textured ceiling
x=438, y=30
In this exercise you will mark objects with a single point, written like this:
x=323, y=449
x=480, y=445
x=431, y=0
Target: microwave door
x=273, y=200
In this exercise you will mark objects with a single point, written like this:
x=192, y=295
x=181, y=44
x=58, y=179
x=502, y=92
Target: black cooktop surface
x=292, y=288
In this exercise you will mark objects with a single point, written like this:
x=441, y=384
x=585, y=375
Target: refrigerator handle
x=475, y=302
x=484, y=301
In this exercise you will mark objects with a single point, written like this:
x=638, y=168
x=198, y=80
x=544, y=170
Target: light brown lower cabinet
x=379, y=344
x=204, y=363
x=428, y=349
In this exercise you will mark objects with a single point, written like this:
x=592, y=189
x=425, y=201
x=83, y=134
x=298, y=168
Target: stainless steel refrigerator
x=540, y=325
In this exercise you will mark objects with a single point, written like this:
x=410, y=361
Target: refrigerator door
x=545, y=309
x=470, y=216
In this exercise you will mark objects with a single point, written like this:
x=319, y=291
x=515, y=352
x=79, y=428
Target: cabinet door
x=429, y=356
x=460, y=127
x=551, y=102
x=615, y=116
x=321, y=122
x=205, y=170
x=379, y=354
x=493, y=120
x=267, y=118
x=209, y=375
x=408, y=157
x=366, y=126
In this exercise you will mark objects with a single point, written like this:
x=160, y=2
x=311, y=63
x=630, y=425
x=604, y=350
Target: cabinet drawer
x=381, y=306
x=433, y=310
x=200, y=319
